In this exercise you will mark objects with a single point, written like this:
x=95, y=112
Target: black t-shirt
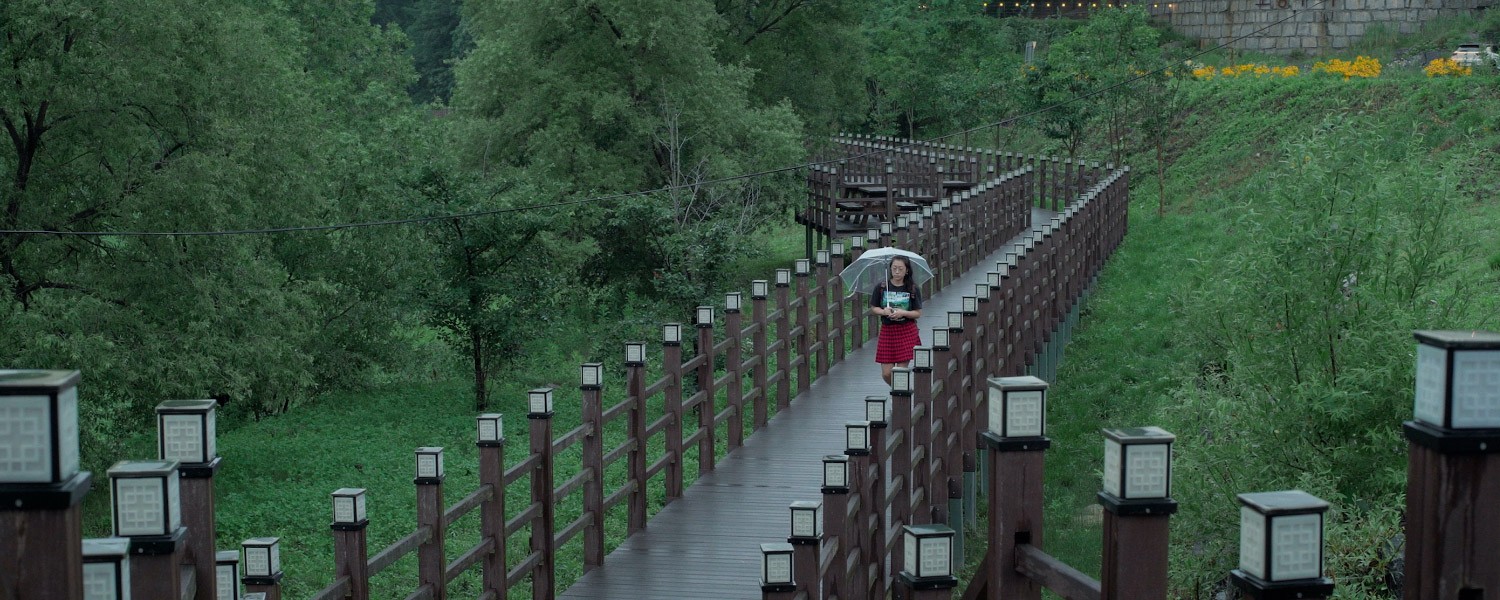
x=902, y=297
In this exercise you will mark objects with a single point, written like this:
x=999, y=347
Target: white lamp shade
x=429, y=462
x=955, y=320
x=262, y=556
x=491, y=427
x=982, y=290
x=836, y=471
x=349, y=506
x=873, y=235
x=38, y=426
x=226, y=575
x=1017, y=406
x=590, y=375
x=928, y=550
x=776, y=564
x=885, y=228
x=185, y=431
x=635, y=353
x=922, y=357
x=1281, y=535
x=837, y=248
x=539, y=401
x=671, y=333
x=1458, y=379
x=106, y=569
x=877, y=408
x=732, y=301
x=857, y=241
x=901, y=221
x=760, y=288
x=901, y=380
x=1138, y=462
x=821, y=257
x=807, y=519
x=803, y=266
x=783, y=277
x=857, y=436
x=939, y=337
x=145, y=498
x=970, y=304
x=704, y=316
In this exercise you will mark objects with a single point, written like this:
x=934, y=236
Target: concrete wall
x=1311, y=27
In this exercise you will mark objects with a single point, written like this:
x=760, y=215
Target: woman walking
x=898, y=302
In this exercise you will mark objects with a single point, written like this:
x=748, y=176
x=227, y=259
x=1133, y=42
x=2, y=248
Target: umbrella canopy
x=873, y=268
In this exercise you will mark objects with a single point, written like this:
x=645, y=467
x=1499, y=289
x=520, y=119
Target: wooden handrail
x=1055, y=575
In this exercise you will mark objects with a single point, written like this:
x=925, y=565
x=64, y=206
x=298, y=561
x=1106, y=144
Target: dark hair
x=904, y=261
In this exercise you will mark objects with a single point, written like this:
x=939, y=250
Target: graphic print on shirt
x=898, y=300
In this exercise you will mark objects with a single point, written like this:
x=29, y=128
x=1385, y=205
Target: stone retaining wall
x=1313, y=27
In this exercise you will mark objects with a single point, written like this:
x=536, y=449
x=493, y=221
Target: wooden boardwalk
x=707, y=544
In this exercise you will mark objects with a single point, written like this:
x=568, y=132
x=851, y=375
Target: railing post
x=930, y=574
x=1453, y=468
x=857, y=448
x=590, y=384
x=857, y=310
x=840, y=327
x=262, y=568
x=878, y=507
x=671, y=359
x=836, y=513
x=492, y=512
x=821, y=329
x=635, y=374
x=186, y=434
x=147, y=505
x=807, y=543
x=900, y=403
x=784, y=336
x=431, y=558
x=1137, y=499
x=921, y=438
x=733, y=361
x=973, y=401
x=351, y=556
x=543, y=525
x=805, y=338
x=41, y=488
x=1017, y=442
x=958, y=461
x=759, y=289
x=707, y=408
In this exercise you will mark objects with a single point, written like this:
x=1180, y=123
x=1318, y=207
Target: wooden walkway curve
x=707, y=544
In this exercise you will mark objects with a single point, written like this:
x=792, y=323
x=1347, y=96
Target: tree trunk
x=481, y=395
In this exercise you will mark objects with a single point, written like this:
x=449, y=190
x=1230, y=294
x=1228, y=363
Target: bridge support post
x=835, y=515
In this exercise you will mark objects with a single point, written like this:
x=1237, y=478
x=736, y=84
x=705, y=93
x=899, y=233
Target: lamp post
x=185, y=432
x=1452, y=445
x=350, y=521
x=807, y=540
x=1137, y=503
x=262, y=567
x=106, y=568
x=927, y=570
x=1281, y=546
x=146, y=506
x=41, y=486
x=1017, y=442
x=776, y=581
x=226, y=575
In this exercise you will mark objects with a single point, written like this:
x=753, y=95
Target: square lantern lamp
x=857, y=438
x=901, y=381
x=1030, y=243
x=262, y=559
x=1138, y=463
x=992, y=278
x=1018, y=407
x=1458, y=379
x=491, y=429
x=671, y=334
x=885, y=228
x=783, y=277
x=945, y=204
x=836, y=248
x=807, y=519
x=732, y=302
x=429, y=464
x=185, y=431
x=955, y=321
x=349, y=508
x=144, y=498
x=38, y=426
x=877, y=406
x=226, y=575
x=591, y=375
x=539, y=402
x=776, y=568
x=1281, y=543
x=928, y=551
x=939, y=338
x=835, y=473
x=926, y=212
x=803, y=267
x=1056, y=223
x=901, y=221
x=873, y=236
x=921, y=358
x=106, y=568
x=704, y=317
x=982, y=291
x=970, y=305
x=857, y=242
x=635, y=354
x=760, y=289
x=821, y=258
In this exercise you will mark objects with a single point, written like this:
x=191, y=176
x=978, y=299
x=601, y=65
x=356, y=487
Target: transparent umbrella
x=873, y=268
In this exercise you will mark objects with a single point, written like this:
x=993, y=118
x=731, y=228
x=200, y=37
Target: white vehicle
x=1475, y=55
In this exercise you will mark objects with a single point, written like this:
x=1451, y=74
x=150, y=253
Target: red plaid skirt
x=896, y=341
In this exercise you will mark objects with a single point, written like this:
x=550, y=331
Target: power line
x=754, y=175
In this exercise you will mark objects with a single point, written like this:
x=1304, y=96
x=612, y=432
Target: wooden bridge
x=868, y=481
